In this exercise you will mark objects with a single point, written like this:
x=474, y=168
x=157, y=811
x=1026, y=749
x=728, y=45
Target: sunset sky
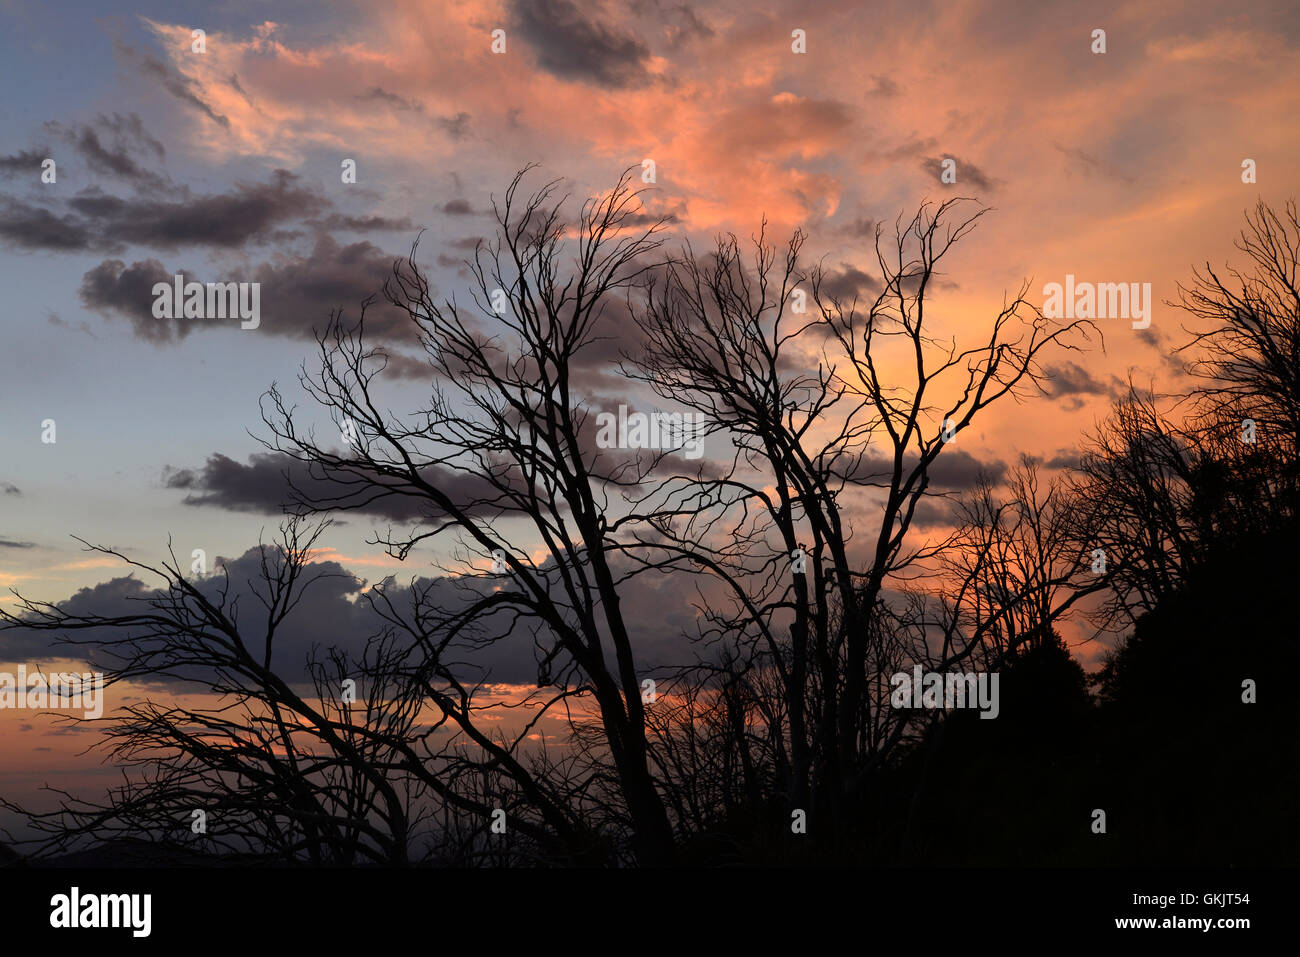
x=1124, y=166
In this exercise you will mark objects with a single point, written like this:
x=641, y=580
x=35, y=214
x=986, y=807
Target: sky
x=226, y=164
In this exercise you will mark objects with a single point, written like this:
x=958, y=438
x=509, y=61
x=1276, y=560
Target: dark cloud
x=967, y=172
x=1153, y=337
x=457, y=207
x=238, y=88
x=28, y=227
x=679, y=23
x=934, y=511
x=957, y=470
x=328, y=609
x=267, y=484
x=115, y=162
x=94, y=219
x=616, y=337
x=247, y=213
x=953, y=470
x=1070, y=383
x=6, y=543
x=1069, y=379
x=131, y=129
x=28, y=161
x=298, y=294
x=250, y=211
x=1063, y=459
x=849, y=283
x=333, y=613
x=863, y=227
x=277, y=211
x=10, y=489
x=882, y=86
x=573, y=46
x=379, y=94
x=174, y=82
x=115, y=287
x=685, y=26
x=457, y=126
x=362, y=224
x=109, y=145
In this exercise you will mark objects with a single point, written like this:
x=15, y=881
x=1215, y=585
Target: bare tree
x=278, y=772
x=1019, y=563
x=1247, y=352
x=506, y=418
x=1166, y=481
x=870, y=411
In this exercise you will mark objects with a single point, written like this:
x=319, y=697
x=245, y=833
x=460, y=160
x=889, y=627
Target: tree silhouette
x=280, y=774
x=504, y=411
x=826, y=550
x=866, y=417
